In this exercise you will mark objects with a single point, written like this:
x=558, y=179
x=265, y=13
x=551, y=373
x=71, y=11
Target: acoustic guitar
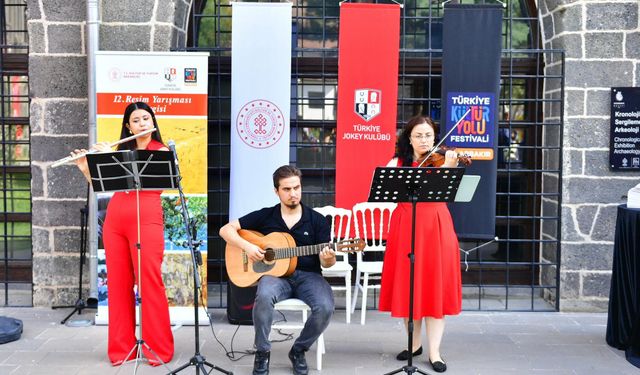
x=280, y=258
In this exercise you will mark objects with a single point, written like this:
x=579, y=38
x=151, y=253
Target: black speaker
x=240, y=304
x=10, y=329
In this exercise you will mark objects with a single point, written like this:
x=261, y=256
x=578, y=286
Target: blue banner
x=470, y=91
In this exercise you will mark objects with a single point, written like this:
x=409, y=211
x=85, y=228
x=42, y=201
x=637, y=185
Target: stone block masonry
x=59, y=118
x=600, y=39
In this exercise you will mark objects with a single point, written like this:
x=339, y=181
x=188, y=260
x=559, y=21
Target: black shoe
x=438, y=366
x=404, y=355
x=298, y=362
x=261, y=363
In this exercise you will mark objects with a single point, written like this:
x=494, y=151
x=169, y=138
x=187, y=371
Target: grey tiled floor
x=474, y=343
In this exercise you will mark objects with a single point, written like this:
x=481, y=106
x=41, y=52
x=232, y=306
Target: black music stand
x=134, y=170
x=406, y=184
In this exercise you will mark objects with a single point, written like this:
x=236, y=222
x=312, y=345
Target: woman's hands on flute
x=82, y=164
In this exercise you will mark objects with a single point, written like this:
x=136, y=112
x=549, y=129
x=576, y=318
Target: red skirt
x=438, y=286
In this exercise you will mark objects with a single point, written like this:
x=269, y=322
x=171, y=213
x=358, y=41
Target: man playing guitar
x=306, y=283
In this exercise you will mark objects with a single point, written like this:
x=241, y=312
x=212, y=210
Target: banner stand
x=470, y=95
x=174, y=85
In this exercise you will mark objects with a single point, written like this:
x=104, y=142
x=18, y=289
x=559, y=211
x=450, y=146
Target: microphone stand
x=198, y=360
x=80, y=302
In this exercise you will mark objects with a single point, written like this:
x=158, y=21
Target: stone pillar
x=601, y=41
x=144, y=25
x=58, y=118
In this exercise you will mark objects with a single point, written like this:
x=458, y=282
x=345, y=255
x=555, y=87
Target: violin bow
x=445, y=137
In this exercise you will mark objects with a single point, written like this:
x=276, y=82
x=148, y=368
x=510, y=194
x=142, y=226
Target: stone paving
x=486, y=343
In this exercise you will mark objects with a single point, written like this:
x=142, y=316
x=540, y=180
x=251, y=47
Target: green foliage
x=173, y=222
x=16, y=188
x=215, y=25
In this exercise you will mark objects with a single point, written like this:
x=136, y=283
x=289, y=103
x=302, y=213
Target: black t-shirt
x=312, y=229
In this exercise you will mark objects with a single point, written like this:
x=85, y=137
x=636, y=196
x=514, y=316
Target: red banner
x=367, y=96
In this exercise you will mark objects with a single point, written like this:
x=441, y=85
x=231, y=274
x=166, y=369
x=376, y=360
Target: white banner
x=260, y=102
x=174, y=85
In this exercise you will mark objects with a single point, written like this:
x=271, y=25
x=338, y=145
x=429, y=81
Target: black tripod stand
x=198, y=360
x=80, y=302
x=414, y=185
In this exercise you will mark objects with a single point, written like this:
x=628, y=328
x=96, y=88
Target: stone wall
x=601, y=40
x=58, y=93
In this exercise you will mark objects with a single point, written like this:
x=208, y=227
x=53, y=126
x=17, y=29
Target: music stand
x=407, y=184
x=134, y=170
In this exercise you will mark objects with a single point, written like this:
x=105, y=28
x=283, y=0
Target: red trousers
x=120, y=236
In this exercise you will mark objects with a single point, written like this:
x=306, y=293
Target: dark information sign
x=624, y=146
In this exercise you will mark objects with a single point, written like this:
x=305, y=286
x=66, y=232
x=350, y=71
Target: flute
x=83, y=154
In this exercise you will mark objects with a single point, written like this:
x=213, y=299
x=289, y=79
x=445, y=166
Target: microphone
x=172, y=147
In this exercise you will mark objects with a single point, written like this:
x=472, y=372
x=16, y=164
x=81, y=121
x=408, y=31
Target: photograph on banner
x=176, y=273
x=472, y=116
x=190, y=138
x=174, y=85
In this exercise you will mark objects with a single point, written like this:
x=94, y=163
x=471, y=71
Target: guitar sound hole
x=269, y=256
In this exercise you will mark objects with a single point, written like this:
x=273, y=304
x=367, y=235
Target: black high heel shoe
x=404, y=355
x=438, y=366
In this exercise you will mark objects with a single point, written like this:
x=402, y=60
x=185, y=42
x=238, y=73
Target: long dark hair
x=124, y=132
x=405, y=151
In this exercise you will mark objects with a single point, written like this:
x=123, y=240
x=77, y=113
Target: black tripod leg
x=218, y=368
x=79, y=310
x=199, y=362
x=395, y=371
x=408, y=370
x=180, y=368
x=79, y=306
x=201, y=369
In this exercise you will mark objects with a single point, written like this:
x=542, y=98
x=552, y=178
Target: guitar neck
x=290, y=252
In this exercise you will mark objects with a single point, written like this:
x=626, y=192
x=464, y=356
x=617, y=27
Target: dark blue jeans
x=309, y=287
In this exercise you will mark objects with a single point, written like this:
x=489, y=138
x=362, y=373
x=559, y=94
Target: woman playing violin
x=438, y=287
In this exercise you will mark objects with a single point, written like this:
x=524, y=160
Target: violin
x=436, y=158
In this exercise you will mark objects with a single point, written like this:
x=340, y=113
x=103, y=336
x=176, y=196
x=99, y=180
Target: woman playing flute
x=120, y=237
